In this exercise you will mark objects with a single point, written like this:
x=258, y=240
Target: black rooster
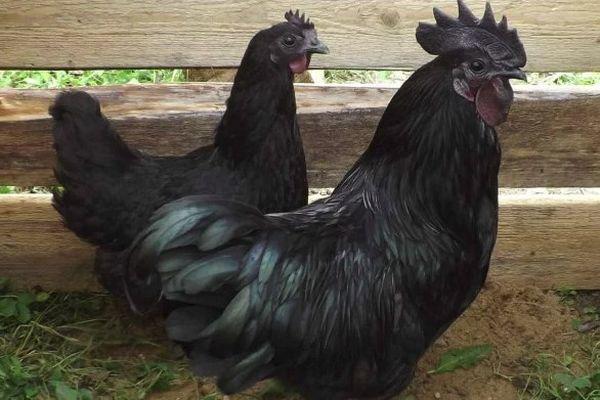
x=341, y=298
x=111, y=190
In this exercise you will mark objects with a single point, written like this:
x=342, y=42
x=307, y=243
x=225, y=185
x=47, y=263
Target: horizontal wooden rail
x=552, y=137
x=546, y=240
x=559, y=35
x=549, y=240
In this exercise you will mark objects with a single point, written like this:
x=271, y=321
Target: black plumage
x=111, y=190
x=342, y=297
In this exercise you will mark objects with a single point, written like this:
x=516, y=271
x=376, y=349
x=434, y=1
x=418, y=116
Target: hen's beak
x=513, y=73
x=316, y=46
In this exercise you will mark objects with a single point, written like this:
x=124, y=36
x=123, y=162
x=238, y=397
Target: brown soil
x=519, y=322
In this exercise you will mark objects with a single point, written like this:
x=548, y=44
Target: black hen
x=341, y=298
x=111, y=190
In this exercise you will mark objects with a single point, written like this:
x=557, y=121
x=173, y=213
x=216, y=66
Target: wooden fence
x=551, y=140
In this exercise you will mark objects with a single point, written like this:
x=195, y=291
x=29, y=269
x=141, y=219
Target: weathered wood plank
x=550, y=241
x=35, y=249
x=559, y=35
x=552, y=137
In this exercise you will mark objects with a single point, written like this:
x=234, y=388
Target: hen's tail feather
x=174, y=241
x=83, y=136
x=91, y=158
x=185, y=323
x=253, y=368
x=218, y=275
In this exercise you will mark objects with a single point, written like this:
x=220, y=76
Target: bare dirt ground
x=519, y=322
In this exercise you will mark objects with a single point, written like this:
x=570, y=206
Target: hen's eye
x=477, y=66
x=289, y=41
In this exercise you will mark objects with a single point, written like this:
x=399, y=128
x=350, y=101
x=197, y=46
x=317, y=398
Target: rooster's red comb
x=467, y=31
x=299, y=20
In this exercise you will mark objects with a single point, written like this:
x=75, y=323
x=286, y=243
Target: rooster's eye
x=289, y=41
x=477, y=66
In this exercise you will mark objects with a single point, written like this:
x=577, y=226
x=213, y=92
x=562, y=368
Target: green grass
x=27, y=189
x=88, y=346
x=365, y=77
x=574, y=374
x=570, y=376
x=397, y=77
x=565, y=78
x=76, y=347
x=62, y=79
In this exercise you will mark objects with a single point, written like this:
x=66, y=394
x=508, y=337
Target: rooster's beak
x=514, y=73
x=316, y=46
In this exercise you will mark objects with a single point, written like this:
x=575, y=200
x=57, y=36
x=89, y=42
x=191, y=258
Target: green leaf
x=13, y=370
x=3, y=281
x=8, y=307
x=26, y=298
x=56, y=375
x=564, y=379
x=465, y=357
x=85, y=394
x=42, y=297
x=575, y=323
x=161, y=373
x=590, y=310
x=582, y=383
x=571, y=383
x=64, y=392
x=595, y=378
x=30, y=391
x=568, y=360
x=23, y=313
x=566, y=292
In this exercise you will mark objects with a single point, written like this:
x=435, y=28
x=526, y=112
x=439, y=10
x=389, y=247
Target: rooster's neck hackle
x=430, y=184
x=431, y=160
x=439, y=146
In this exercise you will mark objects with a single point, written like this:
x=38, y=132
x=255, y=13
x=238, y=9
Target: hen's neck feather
x=262, y=93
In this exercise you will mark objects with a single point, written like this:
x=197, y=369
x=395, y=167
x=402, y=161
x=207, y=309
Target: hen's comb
x=299, y=20
x=467, y=31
